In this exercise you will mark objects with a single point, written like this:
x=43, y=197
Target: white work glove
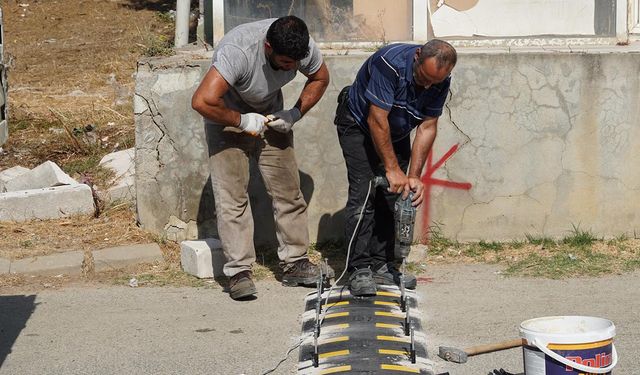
x=285, y=119
x=252, y=123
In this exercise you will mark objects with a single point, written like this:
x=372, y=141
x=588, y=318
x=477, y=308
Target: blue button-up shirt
x=386, y=81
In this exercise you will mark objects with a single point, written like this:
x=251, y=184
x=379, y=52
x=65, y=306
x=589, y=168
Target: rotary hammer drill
x=404, y=218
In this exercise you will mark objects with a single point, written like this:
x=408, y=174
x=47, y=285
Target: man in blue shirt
x=399, y=88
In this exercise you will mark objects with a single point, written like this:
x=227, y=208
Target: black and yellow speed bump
x=363, y=335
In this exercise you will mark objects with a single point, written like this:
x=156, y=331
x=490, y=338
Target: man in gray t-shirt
x=241, y=100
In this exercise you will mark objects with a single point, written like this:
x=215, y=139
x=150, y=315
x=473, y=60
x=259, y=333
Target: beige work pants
x=229, y=163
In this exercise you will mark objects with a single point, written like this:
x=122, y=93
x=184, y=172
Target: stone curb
x=70, y=262
x=121, y=256
x=50, y=265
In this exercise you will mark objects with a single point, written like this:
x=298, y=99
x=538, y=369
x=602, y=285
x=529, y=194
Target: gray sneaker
x=390, y=275
x=241, y=286
x=303, y=272
x=361, y=283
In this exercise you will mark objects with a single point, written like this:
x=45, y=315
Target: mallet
x=460, y=355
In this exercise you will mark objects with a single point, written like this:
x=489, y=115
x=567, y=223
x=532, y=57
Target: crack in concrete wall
x=544, y=140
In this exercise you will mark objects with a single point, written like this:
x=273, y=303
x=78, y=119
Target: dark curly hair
x=289, y=36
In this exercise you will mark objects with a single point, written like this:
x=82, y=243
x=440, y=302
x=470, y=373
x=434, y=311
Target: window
x=332, y=20
x=353, y=23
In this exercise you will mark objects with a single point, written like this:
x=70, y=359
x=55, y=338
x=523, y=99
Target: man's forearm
x=425, y=135
x=219, y=114
x=381, y=137
x=313, y=90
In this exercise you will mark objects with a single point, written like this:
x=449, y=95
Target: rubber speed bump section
x=399, y=368
x=393, y=352
x=389, y=314
x=336, y=315
x=336, y=353
x=331, y=340
x=335, y=370
x=394, y=338
x=363, y=335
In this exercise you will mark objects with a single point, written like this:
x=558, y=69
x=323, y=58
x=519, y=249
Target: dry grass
x=116, y=226
x=553, y=259
x=72, y=65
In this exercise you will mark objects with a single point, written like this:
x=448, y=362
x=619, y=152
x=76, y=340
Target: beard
x=272, y=62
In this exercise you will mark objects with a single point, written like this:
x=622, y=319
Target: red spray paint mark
x=429, y=181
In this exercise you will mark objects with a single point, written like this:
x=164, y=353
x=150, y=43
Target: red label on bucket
x=594, y=357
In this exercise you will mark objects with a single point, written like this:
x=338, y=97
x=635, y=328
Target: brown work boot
x=241, y=286
x=303, y=272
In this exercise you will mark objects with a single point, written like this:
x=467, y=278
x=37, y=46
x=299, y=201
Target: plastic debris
x=133, y=282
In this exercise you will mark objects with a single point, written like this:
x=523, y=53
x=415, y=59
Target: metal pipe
x=182, y=23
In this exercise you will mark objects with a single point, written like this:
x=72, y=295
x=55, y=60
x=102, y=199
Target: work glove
x=285, y=119
x=252, y=123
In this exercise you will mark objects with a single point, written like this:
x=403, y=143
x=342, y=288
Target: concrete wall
x=545, y=140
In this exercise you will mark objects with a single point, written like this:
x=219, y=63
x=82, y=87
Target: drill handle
x=380, y=181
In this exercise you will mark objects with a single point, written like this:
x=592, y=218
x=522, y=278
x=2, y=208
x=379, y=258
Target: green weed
x=438, y=243
x=26, y=243
x=631, y=265
x=165, y=17
x=567, y=263
x=82, y=165
x=494, y=246
x=579, y=238
x=158, y=45
x=516, y=244
x=536, y=240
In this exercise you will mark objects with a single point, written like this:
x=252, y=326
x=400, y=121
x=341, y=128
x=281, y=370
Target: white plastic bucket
x=568, y=345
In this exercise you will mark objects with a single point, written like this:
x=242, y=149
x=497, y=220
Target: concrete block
x=9, y=174
x=69, y=263
x=47, y=203
x=5, y=265
x=122, y=164
x=4, y=132
x=122, y=256
x=202, y=258
x=47, y=174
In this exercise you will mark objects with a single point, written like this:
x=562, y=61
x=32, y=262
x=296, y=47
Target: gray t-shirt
x=255, y=85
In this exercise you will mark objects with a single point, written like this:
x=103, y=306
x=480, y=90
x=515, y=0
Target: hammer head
x=452, y=354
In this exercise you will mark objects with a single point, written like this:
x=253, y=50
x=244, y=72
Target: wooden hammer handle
x=488, y=348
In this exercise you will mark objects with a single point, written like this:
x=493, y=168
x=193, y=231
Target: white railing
x=634, y=17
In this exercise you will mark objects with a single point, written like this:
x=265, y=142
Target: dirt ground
x=72, y=65
x=71, y=83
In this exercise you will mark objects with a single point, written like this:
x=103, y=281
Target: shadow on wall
x=331, y=228
x=15, y=311
x=261, y=208
x=206, y=219
x=261, y=205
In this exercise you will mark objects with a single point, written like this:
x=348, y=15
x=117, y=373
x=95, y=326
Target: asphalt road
x=96, y=329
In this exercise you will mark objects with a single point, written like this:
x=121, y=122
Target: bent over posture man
x=250, y=66
x=399, y=88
